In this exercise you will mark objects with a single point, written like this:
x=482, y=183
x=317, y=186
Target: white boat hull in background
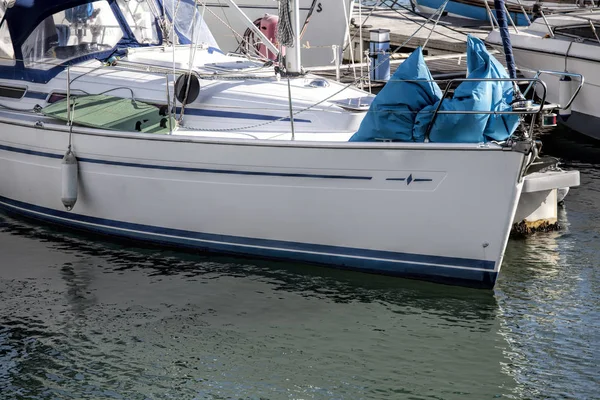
x=327, y=25
x=441, y=212
x=533, y=53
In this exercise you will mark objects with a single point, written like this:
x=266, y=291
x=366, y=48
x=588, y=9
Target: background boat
x=326, y=25
x=522, y=12
x=574, y=48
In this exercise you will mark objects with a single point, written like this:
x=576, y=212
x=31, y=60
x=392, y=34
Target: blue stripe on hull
x=186, y=169
x=451, y=270
x=202, y=112
x=472, y=11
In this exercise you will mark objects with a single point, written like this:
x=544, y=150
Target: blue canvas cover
x=499, y=127
x=473, y=96
x=392, y=113
x=402, y=111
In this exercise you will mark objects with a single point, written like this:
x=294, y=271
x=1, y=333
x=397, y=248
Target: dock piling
x=379, y=47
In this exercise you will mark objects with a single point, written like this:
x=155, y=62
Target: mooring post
x=379, y=47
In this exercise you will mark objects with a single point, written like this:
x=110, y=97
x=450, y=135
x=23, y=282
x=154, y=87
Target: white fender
x=69, y=180
x=565, y=91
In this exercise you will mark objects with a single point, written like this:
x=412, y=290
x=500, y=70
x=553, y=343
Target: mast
x=506, y=44
x=293, y=62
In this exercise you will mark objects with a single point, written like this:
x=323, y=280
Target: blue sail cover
x=499, y=127
x=406, y=110
x=474, y=96
x=503, y=28
x=393, y=111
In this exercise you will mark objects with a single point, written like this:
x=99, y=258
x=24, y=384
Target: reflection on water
x=93, y=256
x=548, y=294
x=120, y=322
x=86, y=318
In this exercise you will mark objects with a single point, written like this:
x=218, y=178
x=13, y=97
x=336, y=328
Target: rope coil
x=285, y=32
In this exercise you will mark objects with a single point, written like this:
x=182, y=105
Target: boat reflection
x=95, y=256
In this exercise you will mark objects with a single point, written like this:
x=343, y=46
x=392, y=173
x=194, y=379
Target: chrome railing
x=561, y=74
x=531, y=110
x=570, y=14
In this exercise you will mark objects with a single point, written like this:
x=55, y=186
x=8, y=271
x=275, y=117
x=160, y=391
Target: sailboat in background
x=565, y=42
x=324, y=24
x=519, y=12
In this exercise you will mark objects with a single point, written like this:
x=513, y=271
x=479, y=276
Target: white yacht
x=107, y=127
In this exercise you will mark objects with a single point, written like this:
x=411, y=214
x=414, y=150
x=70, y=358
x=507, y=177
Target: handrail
x=558, y=73
x=524, y=12
x=550, y=31
x=492, y=17
x=514, y=81
x=570, y=15
x=593, y=28
x=510, y=18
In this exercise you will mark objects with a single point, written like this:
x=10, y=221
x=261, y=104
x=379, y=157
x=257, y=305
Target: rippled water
x=84, y=318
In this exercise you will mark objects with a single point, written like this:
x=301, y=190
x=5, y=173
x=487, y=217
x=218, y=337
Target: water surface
x=86, y=318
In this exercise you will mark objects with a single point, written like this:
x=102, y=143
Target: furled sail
x=503, y=27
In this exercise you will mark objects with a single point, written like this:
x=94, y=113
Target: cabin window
x=75, y=32
x=140, y=19
x=12, y=92
x=7, y=54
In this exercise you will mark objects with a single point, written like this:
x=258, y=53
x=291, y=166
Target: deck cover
x=404, y=108
x=113, y=113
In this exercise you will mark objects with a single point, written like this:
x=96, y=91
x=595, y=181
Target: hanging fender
x=69, y=175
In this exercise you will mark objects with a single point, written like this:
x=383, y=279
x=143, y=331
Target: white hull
x=327, y=26
x=233, y=173
x=402, y=209
x=532, y=53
